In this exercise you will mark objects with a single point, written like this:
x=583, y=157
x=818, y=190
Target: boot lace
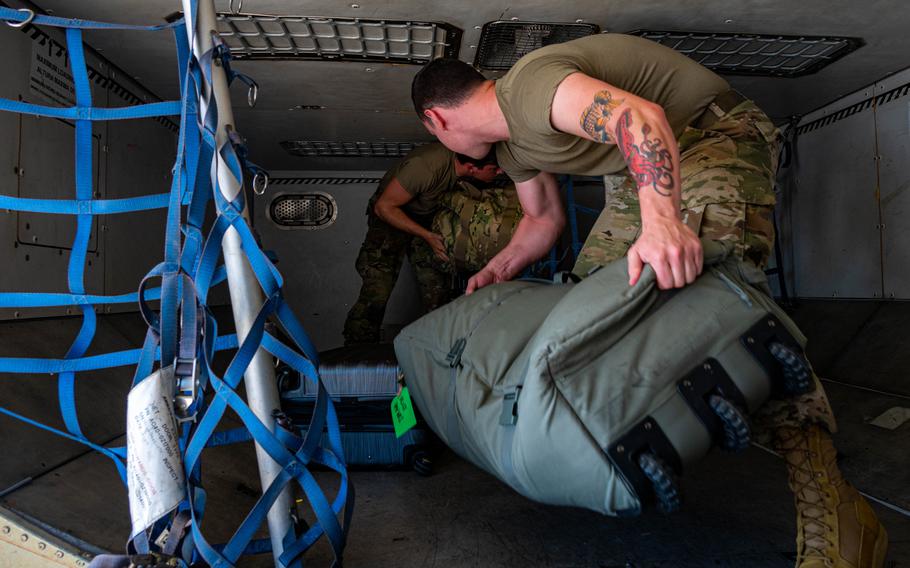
x=812, y=497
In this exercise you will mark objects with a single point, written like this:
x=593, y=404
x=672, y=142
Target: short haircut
x=488, y=160
x=444, y=83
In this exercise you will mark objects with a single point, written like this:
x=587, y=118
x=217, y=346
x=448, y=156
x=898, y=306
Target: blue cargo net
x=183, y=333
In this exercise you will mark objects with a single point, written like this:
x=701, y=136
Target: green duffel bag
x=476, y=224
x=598, y=394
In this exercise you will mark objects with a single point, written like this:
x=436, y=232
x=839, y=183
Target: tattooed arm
x=595, y=110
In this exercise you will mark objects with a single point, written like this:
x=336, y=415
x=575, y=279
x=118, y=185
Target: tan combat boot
x=835, y=526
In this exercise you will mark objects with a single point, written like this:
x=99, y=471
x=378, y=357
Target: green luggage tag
x=403, y=417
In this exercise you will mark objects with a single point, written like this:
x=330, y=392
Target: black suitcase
x=362, y=381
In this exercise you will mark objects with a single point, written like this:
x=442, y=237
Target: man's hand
x=672, y=250
x=488, y=275
x=438, y=245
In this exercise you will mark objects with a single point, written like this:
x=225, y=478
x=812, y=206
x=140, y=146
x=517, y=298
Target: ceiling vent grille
x=313, y=210
x=260, y=36
x=504, y=43
x=757, y=54
x=331, y=149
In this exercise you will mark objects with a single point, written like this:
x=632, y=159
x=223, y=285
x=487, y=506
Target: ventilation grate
x=322, y=181
x=504, y=43
x=324, y=148
x=315, y=210
x=863, y=105
x=757, y=54
x=260, y=36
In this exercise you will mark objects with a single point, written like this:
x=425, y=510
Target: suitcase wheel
x=420, y=461
x=663, y=480
x=736, y=426
x=797, y=376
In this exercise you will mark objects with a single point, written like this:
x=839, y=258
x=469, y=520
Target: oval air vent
x=314, y=210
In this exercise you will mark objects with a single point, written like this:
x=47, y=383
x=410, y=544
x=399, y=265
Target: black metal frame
x=357, y=149
x=756, y=341
x=326, y=219
x=452, y=43
x=709, y=378
x=489, y=40
x=623, y=453
x=850, y=44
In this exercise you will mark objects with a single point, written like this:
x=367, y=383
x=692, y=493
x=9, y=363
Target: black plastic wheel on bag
x=663, y=480
x=797, y=376
x=422, y=463
x=737, y=431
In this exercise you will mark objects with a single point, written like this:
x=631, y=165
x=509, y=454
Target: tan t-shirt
x=427, y=172
x=642, y=67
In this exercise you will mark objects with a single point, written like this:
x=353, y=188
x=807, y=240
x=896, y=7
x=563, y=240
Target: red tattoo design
x=649, y=162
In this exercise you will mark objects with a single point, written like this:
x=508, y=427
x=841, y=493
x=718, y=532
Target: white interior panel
x=835, y=212
x=321, y=283
x=893, y=123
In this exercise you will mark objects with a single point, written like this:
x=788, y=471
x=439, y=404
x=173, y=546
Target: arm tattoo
x=594, y=118
x=650, y=162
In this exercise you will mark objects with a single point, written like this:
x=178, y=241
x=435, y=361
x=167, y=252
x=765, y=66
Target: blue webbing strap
x=149, y=110
x=187, y=274
x=270, y=280
x=51, y=299
x=117, y=457
x=11, y=15
x=85, y=207
x=76, y=270
x=178, y=324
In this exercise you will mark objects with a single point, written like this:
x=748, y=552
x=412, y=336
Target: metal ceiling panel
x=150, y=56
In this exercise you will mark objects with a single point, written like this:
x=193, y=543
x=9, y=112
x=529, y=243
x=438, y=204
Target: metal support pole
x=246, y=295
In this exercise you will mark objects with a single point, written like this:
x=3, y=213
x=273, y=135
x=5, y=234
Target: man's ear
x=436, y=119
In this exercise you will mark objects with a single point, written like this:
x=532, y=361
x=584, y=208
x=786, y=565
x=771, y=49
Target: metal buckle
x=260, y=182
x=187, y=386
x=509, y=414
x=25, y=22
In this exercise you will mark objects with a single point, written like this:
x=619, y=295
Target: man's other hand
x=672, y=250
x=485, y=277
x=437, y=243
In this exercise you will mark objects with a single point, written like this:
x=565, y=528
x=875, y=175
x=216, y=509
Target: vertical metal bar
x=246, y=295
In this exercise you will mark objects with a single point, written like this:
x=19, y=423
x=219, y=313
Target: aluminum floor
x=738, y=511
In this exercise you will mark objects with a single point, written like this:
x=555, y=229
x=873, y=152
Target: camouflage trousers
x=378, y=264
x=727, y=172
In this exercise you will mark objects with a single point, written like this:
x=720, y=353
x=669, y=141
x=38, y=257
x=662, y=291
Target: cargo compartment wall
x=845, y=217
x=321, y=282
x=37, y=159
